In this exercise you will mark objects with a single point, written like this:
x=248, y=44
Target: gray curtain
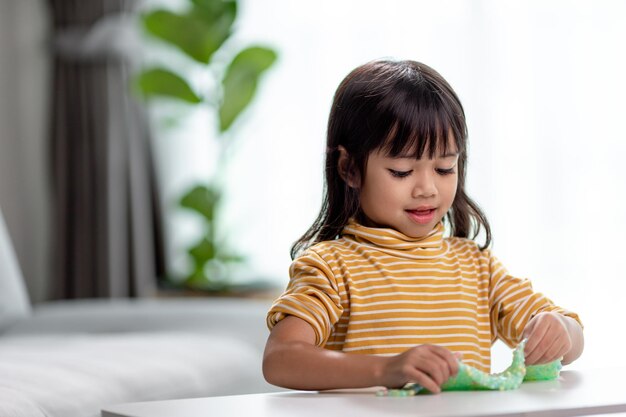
x=107, y=240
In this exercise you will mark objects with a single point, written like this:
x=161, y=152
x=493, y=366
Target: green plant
x=199, y=32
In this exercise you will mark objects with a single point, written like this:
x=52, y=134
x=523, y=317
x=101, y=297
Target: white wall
x=24, y=192
x=543, y=87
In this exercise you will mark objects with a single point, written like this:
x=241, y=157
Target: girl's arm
x=551, y=334
x=292, y=360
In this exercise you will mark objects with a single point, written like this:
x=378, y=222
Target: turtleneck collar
x=391, y=241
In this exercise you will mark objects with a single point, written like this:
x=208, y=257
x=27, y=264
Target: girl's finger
x=536, y=338
x=450, y=359
x=437, y=368
x=424, y=380
x=533, y=357
x=542, y=355
x=556, y=350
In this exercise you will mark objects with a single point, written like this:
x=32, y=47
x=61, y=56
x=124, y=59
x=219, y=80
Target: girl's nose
x=424, y=187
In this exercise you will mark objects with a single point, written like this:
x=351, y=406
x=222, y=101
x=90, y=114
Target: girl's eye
x=444, y=171
x=400, y=174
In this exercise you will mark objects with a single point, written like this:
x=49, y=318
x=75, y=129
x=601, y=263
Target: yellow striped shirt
x=377, y=291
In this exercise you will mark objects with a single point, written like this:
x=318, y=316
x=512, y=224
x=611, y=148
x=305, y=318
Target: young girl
x=378, y=296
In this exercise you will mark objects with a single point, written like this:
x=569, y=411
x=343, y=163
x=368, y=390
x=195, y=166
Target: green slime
x=472, y=379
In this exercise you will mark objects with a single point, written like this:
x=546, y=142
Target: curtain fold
x=107, y=234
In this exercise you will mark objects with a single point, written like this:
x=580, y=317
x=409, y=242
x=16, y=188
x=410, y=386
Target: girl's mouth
x=422, y=216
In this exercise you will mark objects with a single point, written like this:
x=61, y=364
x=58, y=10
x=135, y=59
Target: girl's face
x=409, y=195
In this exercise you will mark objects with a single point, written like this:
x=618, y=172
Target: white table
x=575, y=393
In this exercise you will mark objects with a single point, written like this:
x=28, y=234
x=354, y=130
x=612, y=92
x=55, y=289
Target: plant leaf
x=201, y=199
x=162, y=82
x=213, y=10
x=240, y=82
x=198, y=33
x=197, y=279
x=202, y=252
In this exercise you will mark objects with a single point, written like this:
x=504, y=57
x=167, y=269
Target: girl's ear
x=346, y=169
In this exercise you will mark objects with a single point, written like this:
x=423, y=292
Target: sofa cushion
x=14, y=404
x=14, y=303
x=77, y=375
x=230, y=317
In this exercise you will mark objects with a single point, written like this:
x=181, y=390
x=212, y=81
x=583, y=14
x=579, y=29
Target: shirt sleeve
x=312, y=295
x=512, y=303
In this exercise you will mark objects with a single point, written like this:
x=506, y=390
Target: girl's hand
x=428, y=365
x=548, y=338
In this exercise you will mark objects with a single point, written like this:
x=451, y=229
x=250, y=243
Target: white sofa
x=72, y=358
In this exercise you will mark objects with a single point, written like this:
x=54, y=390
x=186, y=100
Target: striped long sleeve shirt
x=377, y=291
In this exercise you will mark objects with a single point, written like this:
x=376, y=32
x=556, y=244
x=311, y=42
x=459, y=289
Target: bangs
x=419, y=118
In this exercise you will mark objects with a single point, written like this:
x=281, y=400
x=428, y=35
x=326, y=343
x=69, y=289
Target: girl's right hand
x=428, y=365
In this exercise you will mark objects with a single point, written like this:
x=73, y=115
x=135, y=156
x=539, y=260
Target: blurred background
x=92, y=174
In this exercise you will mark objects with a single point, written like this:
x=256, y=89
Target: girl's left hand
x=548, y=338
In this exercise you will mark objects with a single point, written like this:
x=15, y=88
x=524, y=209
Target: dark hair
x=397, y=106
